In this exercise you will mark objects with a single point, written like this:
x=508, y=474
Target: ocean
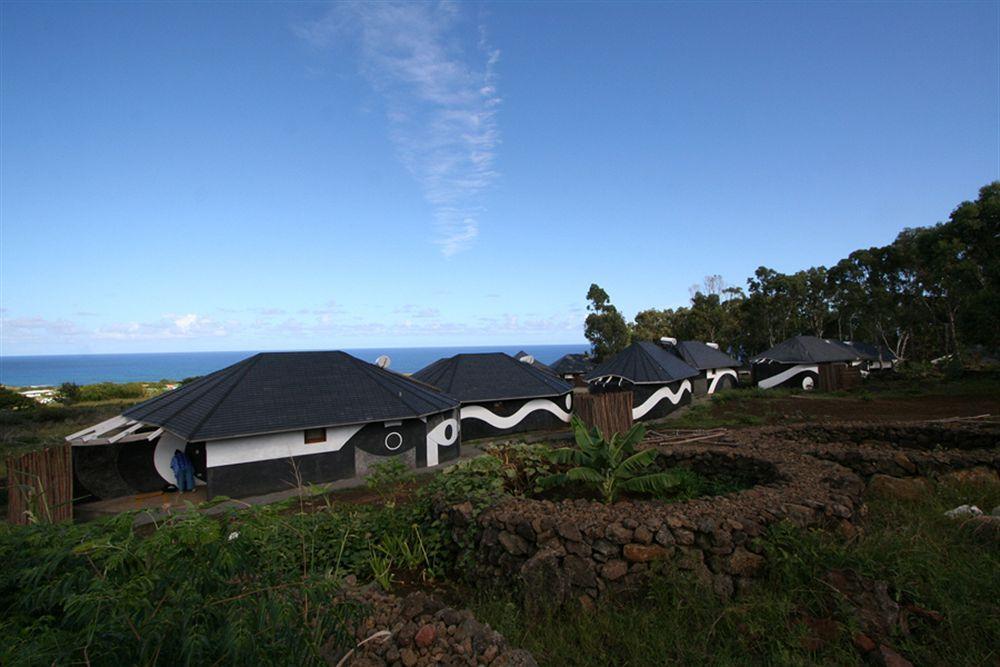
x=89, y=368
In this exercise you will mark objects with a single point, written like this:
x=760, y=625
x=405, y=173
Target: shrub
x=103, y=391
x=610, y=466
x=12, y=401
x=522, y=466
x=387, y=475
x=69, y=392
x=192, y=592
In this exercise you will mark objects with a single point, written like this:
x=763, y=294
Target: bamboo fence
x=40, y=486
x=610, y=412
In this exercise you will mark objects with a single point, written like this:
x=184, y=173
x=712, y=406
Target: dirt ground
x=813, y=407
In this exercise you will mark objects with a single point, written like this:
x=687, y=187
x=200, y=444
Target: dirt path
x=817, y=408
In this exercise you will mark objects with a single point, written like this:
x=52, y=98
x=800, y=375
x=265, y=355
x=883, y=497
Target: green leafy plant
x=610, y=465
x=380, y=561
x=522, y=466
x=386, y=476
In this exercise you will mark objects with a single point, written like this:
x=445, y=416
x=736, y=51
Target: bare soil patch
x=813, y=407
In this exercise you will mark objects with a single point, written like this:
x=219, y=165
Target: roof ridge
x=380, y=381
x=452, y=366
x=169, y=397
x=185, y=396
x=251, y=363
x=545, y=378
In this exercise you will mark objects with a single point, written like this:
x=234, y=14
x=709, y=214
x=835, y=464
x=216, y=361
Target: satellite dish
x=528, y=359
x=383, y=361
x=714, y=346
x=668, y=341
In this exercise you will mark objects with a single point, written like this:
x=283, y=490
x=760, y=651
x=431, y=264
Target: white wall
x=274, y=446
x=164, y=454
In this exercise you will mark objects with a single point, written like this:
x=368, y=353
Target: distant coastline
x=51, y=370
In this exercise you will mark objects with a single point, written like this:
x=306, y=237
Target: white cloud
x=171, y=326
x=32, y=328
x=441, y=100
x=324, y=325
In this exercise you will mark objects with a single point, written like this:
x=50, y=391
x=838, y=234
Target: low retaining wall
x=899, y=450
x=902, y=435
x=579, y=550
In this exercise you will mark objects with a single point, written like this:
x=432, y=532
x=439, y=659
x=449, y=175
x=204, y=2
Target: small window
x=314, y=435
x=393, y=441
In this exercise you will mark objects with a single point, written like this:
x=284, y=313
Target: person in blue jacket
x=183, y=471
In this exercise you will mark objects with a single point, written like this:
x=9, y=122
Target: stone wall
x=579, y=550
x=899, y=450
x=901, y=435
x=576, y=551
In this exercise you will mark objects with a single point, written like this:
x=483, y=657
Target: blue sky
x=278, y=176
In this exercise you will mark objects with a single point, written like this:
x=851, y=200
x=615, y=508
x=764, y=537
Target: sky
x=253, y=176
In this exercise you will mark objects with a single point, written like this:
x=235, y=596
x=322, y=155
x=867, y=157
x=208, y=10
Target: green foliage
x=11, y=401
x=714, y=315
x=42, y=425
x=522, y=467
x=610, y=465
x=925, y=557
x=932, y=291
x=386, y=476
x=255, y=586
x=69, y=392
x=195, y=591
x=103, y=391
x=605, y=327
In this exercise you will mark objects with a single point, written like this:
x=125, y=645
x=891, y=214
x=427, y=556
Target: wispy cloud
x=439, y=88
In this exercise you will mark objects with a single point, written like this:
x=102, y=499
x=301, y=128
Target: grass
x=926, y=559
x=22, y=431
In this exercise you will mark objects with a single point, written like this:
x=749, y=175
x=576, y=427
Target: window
x=393, y=441
x=314, y=435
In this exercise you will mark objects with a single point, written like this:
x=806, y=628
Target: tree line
x=933, y=291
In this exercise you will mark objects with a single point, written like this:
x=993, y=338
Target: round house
x=500, y=394
x=805, y=362
x=659, y=380
x=573, y=368
x=716, y=370
x=269, y=423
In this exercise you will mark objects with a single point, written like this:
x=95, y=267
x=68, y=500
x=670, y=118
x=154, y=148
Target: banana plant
x=610, y=465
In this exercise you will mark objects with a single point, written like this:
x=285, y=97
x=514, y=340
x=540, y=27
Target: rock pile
x=419, y=630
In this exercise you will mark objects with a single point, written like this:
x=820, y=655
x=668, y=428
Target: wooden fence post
x=610, y=412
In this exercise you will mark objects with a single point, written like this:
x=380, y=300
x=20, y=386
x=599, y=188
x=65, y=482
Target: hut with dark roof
x=660, y=381
x=875, y=357
x=803, y=362
x=267, y=423
x=716, y=370
x=500, y=394
x=532, y=361
x=573, y=368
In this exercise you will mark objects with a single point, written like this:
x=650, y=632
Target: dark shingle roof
x=871, y=352
x=284, y=391
x=535, y=362
x=702, y=356
x=807, y=350
x=644, y=362
x=573, y=364
x=490, y=377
